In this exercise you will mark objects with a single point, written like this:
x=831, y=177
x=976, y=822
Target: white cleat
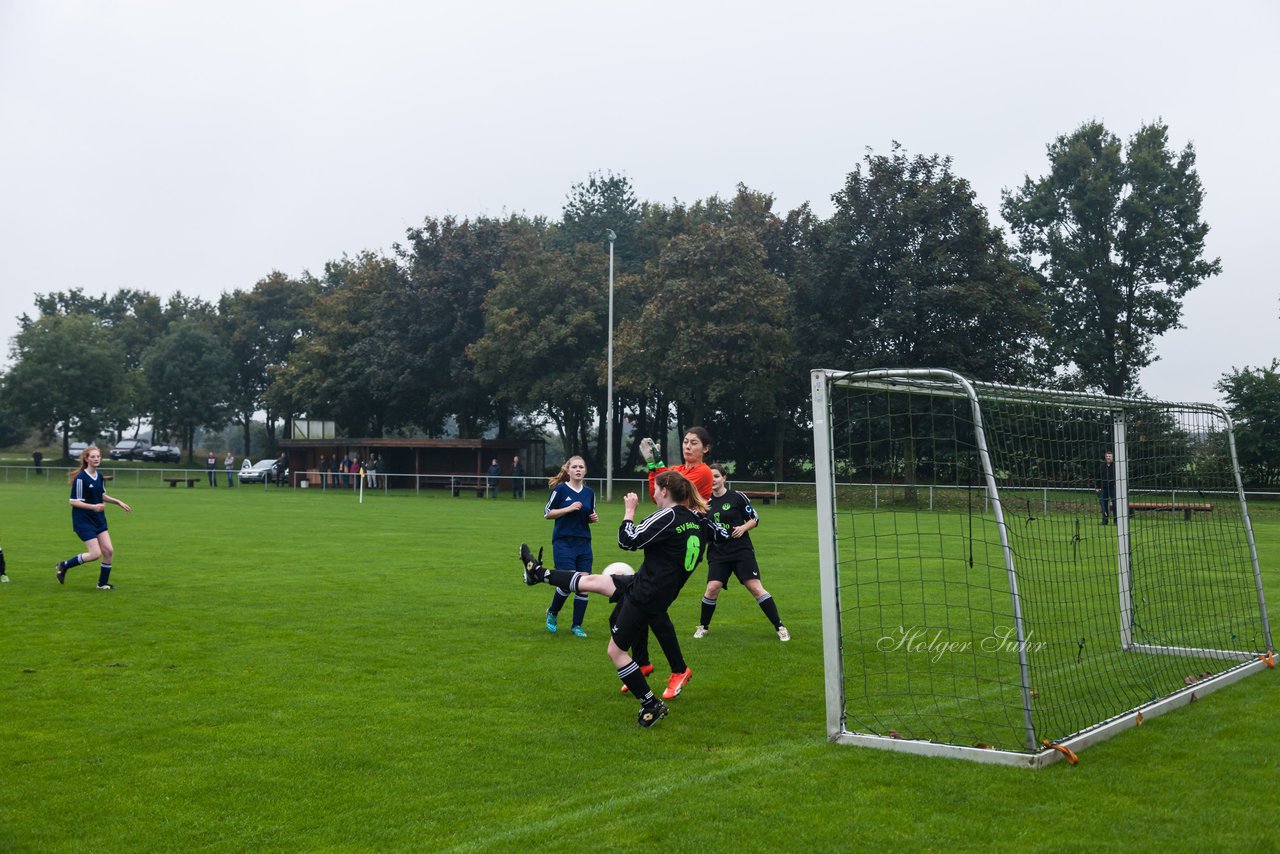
x=783, y=634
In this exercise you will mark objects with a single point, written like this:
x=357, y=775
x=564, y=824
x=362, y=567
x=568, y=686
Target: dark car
x=264, y=471
x=129, y=449
x=162, y=454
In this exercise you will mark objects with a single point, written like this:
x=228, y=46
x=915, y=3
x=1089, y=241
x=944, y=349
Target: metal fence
x=930, y=496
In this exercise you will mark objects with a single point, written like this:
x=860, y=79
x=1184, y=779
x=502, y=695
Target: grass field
x=288, y=671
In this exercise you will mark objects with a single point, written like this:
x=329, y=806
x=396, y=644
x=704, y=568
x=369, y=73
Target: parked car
x=75, y=449
x=129, y=449
x=163, y=454
x=264, y=471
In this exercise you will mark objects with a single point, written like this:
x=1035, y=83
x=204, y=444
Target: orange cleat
x=676, y=683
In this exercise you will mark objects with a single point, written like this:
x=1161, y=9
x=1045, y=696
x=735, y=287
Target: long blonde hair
x=84, y=463
x=562, y=476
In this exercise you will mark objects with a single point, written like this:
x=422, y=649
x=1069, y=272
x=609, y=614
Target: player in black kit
x=734, y=556
x=673, y=540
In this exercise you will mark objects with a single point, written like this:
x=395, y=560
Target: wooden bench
x=458, y=485
x=1170, y=507
x=174, y=481
x=766, y=496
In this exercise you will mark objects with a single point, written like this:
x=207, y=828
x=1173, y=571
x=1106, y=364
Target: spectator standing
x=517, y=478
x=1105, y=487
x=495, y=472
x=211, y=466
x=229, y=463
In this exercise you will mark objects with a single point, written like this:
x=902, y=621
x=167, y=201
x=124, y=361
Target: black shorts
x=745, y=568
x=629, y=621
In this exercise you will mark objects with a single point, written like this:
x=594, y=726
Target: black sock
x=557, y=601
x=770, y=609
x=2, y=562
x=579, y=608
x=640, y=649
x=665, y=632
x=636, y=683
x=708, y=611
x=565, y=579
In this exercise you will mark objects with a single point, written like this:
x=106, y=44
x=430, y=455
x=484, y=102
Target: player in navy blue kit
x=89, y=519
x=572, y=506
x=734, y=556
x=673, y=540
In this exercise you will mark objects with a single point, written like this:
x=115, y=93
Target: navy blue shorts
x=87, y=530
x=572, y=553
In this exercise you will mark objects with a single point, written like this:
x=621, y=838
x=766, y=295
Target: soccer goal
x=978, y=598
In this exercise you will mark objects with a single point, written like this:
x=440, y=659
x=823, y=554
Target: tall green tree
x=451, y=267
x=12, y=430
x=911, y=274
x=260, y=328
x=603, y=203
x=1253, y=399
x=352, y=364
x=545, y=341
x=1118, y=241
x=67, y=375
x=713, y=333
x=188, y=372
x=134, y=320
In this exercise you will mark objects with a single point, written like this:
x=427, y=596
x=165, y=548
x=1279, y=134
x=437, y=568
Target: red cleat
x=676, y=683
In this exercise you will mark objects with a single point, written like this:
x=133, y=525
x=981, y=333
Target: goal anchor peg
x=1065, y=751
x=1269, y=659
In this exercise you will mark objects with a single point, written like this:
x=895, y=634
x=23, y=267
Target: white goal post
x=994, y=589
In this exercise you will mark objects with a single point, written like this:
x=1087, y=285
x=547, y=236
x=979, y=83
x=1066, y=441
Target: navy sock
x=104, y=572
x=557, y=601
x=71, y=562
x=579, y=608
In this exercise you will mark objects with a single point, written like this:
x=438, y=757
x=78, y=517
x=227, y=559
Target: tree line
x=721, y=308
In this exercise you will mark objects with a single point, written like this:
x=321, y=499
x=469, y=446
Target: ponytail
x=681, y=490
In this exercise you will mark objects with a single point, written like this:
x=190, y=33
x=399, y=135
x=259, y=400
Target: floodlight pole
x=608, y=456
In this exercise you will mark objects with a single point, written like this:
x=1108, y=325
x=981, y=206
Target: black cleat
x=651, y=713
x=61, y=572
x=534, y=571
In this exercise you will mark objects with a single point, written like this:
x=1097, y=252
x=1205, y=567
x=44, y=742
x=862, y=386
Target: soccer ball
x=619, y=568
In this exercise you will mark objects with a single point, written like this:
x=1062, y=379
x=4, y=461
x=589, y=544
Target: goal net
x=994, y=589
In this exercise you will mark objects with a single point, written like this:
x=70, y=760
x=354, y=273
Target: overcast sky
x=197, y=146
